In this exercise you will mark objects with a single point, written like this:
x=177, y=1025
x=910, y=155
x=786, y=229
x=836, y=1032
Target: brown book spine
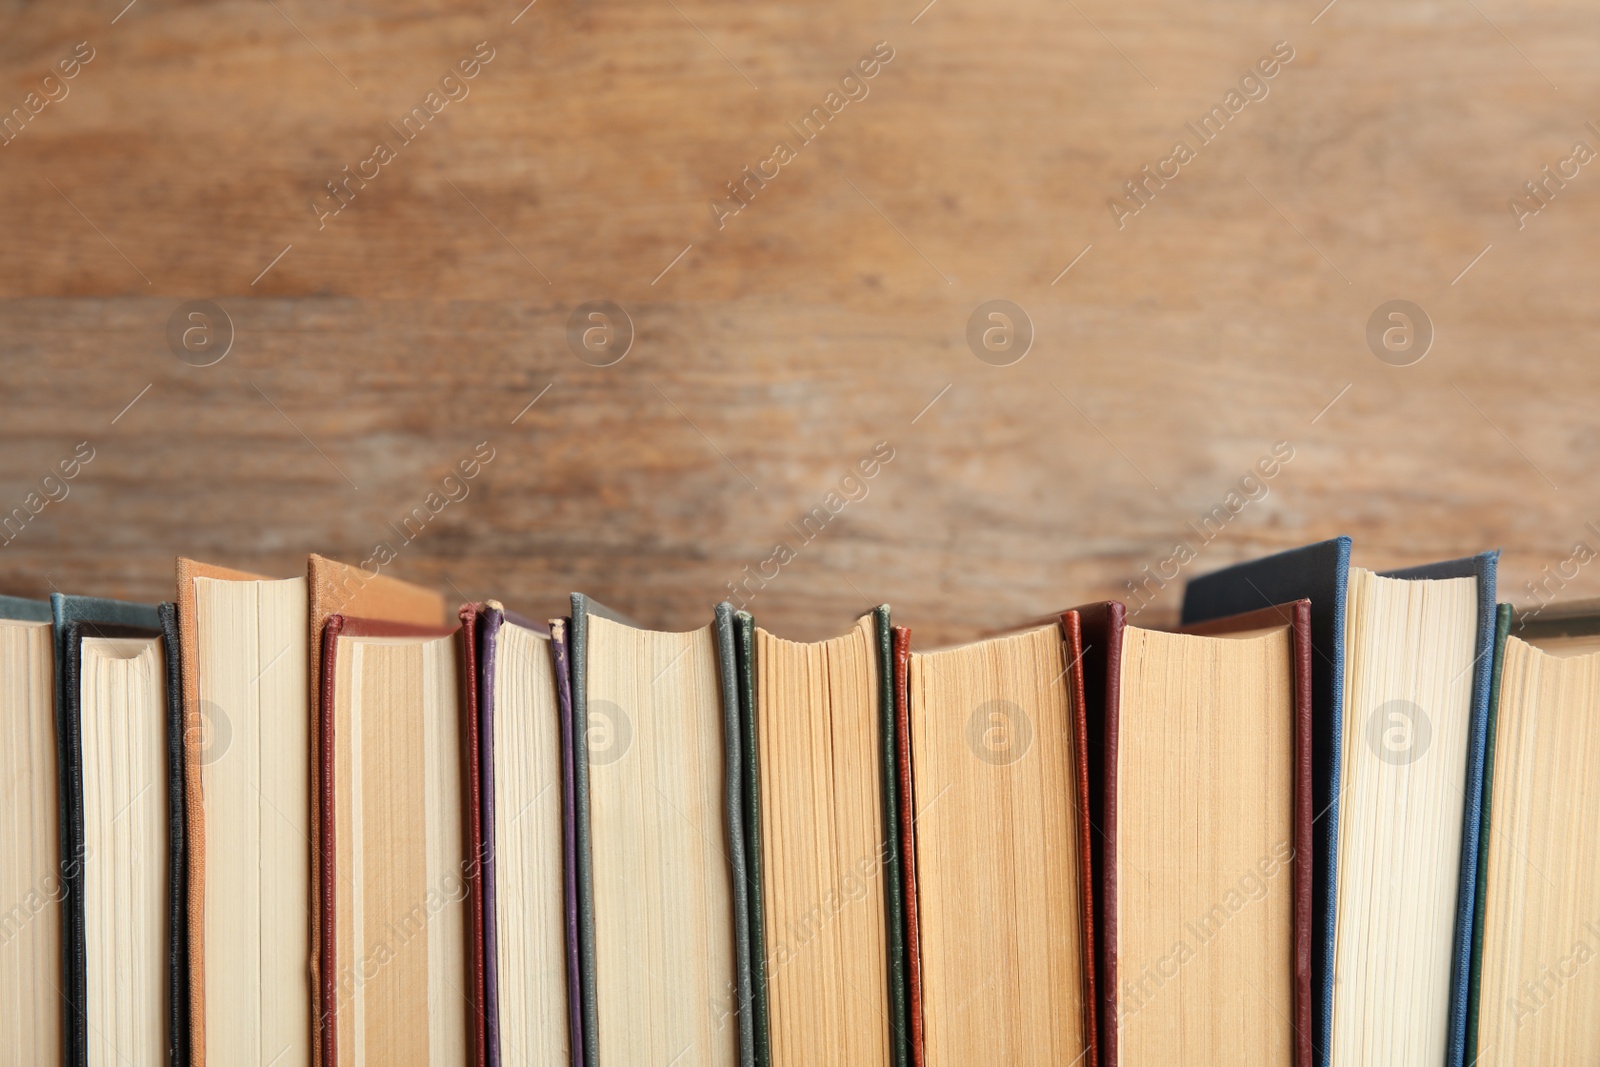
x=908, y=838
x=1297, y=616
x=335, y=589
x=1072, y=634
x=327, y=875
x=1101, y=667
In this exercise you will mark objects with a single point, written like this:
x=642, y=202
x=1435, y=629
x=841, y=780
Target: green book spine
x=735, y=796
x=744, y=640
x=889, y=780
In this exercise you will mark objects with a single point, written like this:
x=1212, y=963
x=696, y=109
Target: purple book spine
x=491, y=621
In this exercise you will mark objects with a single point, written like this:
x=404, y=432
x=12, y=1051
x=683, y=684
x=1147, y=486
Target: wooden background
x=382, y=347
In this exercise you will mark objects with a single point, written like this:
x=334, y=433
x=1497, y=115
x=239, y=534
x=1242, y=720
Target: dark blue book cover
x=24, y=610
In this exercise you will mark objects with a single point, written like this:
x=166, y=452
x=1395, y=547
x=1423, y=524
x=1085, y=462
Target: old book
x=1401, y=696
x=1539, y=931
x=248, y=770
x=663, y=897
x=1209, y=914
x=1002, y=915
x=31, y=886
x=119, y=737
x=334, y=588
x=1239, y=807
x=398, y=863
x=530, y=961
x=825, y=855
x=1416, y=680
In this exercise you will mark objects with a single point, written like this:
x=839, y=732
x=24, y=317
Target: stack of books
x=1335, y=818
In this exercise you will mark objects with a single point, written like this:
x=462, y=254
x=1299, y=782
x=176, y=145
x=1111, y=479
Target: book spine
x=744, y=626
x=893, y=861
x=733, y=796
x=576, y=647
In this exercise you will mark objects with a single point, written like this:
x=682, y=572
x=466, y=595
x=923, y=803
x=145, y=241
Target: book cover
x=75, y=618
x=471, y=617
x=192, y=739
x=334, y=588
x=1297, y=616
x=1502, y=630
x=24, y=610
x=1076, y=652
x=891, y=854
x=1482, y=567
x=900, y=647
x=488, y=624
x=894, y=885
x=385, y=762
x=1072, y=633
x=750, y=742
x=731, y=846
x=1100, y=670
x=734, y=794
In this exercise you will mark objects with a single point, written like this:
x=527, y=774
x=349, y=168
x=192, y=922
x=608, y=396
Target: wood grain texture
x=820, y=319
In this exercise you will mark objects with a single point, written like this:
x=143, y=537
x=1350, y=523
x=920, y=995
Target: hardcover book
x=248, y=772
x=31, y=868
x=1400, y=685
x=398, y=860
x=334, y=588
x=828, y=923
x=119, y=739
x=662, y=887
x=529, y=912
x=1199, y=791
x=1538, y=932
x=999, y=870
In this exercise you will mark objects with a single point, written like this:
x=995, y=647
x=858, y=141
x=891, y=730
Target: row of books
x=1335, y=818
